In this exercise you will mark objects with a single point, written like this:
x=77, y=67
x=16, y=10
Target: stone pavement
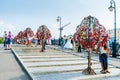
x=58, y=64
x=9, y=67
x=112, y=61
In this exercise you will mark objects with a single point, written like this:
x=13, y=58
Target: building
x=111, y=34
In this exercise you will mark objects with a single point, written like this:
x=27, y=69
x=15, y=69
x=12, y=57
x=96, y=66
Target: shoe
x=107, y=72
x=103, y=72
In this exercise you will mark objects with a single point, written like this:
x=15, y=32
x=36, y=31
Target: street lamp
x=59, y=20
x=111, y=8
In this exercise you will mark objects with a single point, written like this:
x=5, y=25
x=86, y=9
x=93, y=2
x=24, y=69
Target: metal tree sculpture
x=43, y=34
x=15, y=39
x=28, y=31
x=20, y=36
x=89, y=33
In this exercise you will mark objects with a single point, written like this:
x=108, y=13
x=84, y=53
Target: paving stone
x=59, y=64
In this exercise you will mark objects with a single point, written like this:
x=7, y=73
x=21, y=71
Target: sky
x=17, y=15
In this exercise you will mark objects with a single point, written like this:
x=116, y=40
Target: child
x=28, y=40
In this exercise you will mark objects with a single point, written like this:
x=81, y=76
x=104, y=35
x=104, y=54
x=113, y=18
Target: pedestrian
x=62, y=42
x=27, y=40
x=79, y=48
x=9, y=40
x=65, y=39
x=12, y=39
x=79, y=45
x=34, y=40
x=68, y=44
x=104, y=57
x=5, y=39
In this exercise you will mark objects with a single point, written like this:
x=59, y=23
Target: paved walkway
x=112, y=61
x=60, y=65
x=9, y=67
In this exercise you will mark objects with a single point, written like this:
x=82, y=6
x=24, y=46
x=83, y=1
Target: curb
x=22, y=66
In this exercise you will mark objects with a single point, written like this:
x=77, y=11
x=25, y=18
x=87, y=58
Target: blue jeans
x=104, y=60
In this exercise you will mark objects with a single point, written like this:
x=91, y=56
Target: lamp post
x=112, y=2
x=59, y=20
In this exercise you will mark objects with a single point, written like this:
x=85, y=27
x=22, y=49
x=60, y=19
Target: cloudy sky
x=17, y=15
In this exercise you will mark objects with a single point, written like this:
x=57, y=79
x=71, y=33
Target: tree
x=20, y=36
x=1, y=40
x=28, y=33
x=89, y=33
x=43, y=34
